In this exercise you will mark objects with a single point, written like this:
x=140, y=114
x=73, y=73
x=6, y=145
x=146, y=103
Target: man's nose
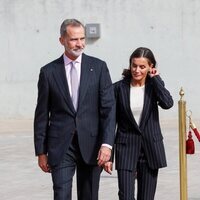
x=79, y=43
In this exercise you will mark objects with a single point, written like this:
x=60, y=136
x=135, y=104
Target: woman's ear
x=152, y=66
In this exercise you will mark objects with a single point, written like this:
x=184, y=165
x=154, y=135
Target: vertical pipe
x=182, y=147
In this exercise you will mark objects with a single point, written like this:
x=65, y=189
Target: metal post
x=182, y=147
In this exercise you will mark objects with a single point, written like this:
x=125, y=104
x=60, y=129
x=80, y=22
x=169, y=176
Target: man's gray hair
x=69, y=22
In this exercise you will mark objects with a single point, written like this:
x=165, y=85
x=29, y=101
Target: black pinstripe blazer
x=129, y=136
x=56, y=120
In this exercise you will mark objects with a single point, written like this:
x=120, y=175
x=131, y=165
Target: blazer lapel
x=61, y=80
x=147, y=104
x=86, y=70
x=126, y=96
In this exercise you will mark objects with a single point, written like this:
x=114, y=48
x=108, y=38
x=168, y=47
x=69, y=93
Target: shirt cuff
x=107, y=145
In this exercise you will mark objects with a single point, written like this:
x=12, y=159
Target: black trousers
x=146, y=181
x=88, y=176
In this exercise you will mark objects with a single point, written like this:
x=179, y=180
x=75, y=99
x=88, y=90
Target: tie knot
x=73, y=63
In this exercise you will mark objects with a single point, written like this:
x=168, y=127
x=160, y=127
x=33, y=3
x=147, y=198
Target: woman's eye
x=134, y=66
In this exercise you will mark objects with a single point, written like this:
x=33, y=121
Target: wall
x=30, y=32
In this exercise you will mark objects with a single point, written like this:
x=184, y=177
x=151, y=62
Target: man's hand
x=103, y=155
x=43, y=163
x=108, y=167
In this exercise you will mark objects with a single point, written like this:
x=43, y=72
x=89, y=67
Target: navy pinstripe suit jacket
x=56, y=120
x=129, y=136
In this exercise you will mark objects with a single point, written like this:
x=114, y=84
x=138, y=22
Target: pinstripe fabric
x=130, y=137
x=147, y=181
x=62, y=174
x=87, y=176
x=56, y=120
x=126, y=182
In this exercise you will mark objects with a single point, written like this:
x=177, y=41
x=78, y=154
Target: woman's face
x=139, y=70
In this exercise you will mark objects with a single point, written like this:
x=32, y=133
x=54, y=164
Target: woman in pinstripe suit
x=139, y=148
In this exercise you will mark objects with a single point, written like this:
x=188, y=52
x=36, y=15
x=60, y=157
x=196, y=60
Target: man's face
x=73, y=41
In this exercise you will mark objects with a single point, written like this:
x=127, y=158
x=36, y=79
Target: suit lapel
x=61, y=80
x=126, y=96
x=86, y=70
x=147, y=104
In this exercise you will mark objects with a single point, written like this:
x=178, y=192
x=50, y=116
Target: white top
x=137, y=101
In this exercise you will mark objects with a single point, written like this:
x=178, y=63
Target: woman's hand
x=153, y=72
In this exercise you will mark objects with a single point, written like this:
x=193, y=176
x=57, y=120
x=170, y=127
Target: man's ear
x=61, y=40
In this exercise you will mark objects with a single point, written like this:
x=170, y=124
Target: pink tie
x=74, y=84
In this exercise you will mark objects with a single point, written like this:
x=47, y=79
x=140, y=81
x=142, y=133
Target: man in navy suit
x=74, y=131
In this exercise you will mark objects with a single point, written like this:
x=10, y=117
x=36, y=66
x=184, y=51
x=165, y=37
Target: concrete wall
x=29, y=32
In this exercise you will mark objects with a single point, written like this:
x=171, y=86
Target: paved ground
x=21, y=179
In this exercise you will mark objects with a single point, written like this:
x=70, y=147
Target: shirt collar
x=68, y=60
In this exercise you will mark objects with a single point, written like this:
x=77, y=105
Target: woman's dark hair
x=141, y=52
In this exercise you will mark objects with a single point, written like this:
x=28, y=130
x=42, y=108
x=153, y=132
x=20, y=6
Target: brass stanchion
x=182, y=147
